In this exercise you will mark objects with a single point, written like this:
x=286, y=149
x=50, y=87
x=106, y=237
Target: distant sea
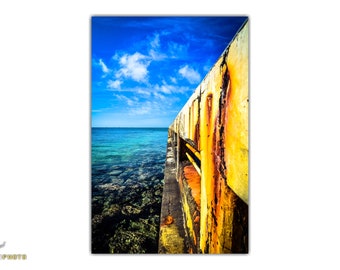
x=126, y=188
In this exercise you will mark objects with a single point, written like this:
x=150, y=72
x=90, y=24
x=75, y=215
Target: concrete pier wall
x=209, y=140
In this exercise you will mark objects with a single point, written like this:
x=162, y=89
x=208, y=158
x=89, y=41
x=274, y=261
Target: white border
x=44, y=142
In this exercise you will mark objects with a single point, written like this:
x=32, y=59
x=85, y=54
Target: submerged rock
x=126, y=215
x=135, y=237
x=111, y=187
x=127, y=242
x=130, y=210
x=113, y=210
x=115, y=172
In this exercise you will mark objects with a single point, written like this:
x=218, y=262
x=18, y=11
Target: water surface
x=127, y=183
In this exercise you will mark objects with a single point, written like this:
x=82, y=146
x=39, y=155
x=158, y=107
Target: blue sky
x=144, y=69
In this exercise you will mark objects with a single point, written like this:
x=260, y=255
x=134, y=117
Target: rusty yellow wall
x=236, y=122
x=215, y=118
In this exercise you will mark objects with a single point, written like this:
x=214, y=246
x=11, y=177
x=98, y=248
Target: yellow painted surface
x=188, y=220
x=208, y=111
x=218, y=124
x=171, y=240
x=236, y=150
x=196, y=153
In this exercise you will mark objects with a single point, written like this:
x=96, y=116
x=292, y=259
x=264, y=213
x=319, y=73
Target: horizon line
x=128, y=127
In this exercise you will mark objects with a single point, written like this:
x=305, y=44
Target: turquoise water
x=127, y=149
x=126, y=188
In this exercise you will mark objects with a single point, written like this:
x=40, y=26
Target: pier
x=205, y=197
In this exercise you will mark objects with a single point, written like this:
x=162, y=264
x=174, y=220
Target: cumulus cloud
x=134, y=66
x=190, y=74
x=114, y=84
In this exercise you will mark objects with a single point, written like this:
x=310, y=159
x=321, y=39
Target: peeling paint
x=211, y=133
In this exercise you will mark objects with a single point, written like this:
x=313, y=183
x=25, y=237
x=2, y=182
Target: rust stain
x=209, y=106
x=215, y=120
x=194, y=181
x=168, y=220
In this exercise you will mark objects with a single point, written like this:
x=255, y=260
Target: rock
x=115, y=172
x=146, y=200
x=158, y=192
x=125, y=175
x=138, y=236
x=126, y=210
x=113, y=210
x=97, y=219
x=126, y=242
x=130, y=210
x=130, y=183
x=116, y=181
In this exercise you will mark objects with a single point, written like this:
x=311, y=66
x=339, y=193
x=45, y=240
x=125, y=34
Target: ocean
x=126, y=188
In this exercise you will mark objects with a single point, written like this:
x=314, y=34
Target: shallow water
x=127, y=182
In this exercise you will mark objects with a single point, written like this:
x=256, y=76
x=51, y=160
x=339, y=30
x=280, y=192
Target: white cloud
x=155, y=51
x=160, y=96
x=173, y=80
x=176, y=50
x=114, y=84
x=105, y=69
x=143, y=109
x=190, y=74
x=134, y=66
x=166, y=88
x=129, y=101
x=143, y=92
x=156, y=55
x=155, y=42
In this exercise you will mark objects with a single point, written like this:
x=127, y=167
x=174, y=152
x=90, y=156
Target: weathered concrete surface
x=214, y=122
x=172, y=234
